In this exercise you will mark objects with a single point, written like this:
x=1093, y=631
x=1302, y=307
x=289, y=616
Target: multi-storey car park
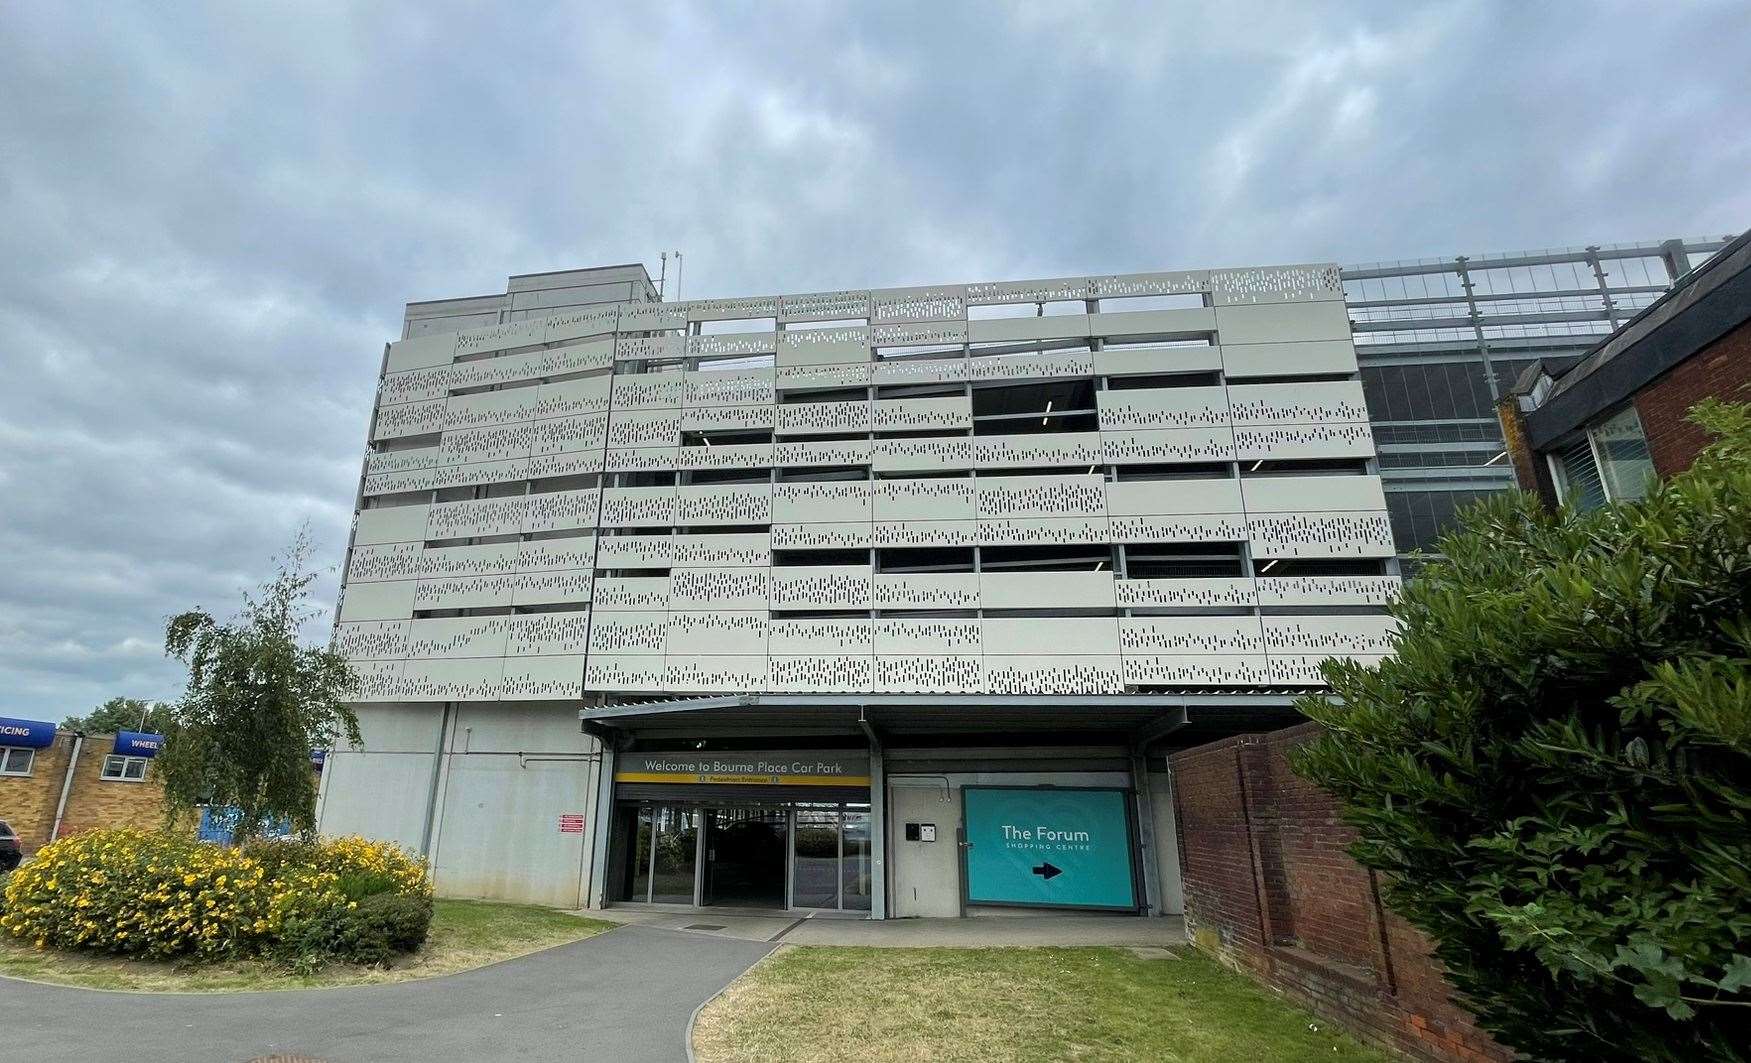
x=883, y=602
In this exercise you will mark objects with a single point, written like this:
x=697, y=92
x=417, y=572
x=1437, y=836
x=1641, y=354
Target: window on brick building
x=1607, y=462
x=16, y=760
x=124, y=769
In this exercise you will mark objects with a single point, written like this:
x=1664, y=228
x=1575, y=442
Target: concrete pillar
x=1145, y=833
x=878, y=835
x=597, y=895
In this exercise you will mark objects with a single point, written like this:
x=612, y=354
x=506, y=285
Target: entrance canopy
x=1144, y=721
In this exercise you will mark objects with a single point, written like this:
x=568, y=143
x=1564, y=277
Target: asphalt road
x=624, y=996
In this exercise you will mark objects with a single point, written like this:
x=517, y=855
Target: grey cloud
x=211, y=214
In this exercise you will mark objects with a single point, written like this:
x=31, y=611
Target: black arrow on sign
x=1048, y=871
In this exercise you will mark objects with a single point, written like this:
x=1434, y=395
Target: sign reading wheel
x=1046, y=847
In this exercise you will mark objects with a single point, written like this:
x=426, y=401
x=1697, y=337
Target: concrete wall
x=488, y=810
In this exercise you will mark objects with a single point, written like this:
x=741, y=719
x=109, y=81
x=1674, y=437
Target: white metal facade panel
x=529, y=412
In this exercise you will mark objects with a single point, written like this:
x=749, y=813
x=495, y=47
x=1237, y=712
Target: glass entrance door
x=744, y=856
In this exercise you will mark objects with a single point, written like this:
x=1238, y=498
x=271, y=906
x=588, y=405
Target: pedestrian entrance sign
x=1048, y=847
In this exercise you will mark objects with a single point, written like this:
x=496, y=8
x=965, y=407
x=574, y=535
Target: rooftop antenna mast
x=677, y=276
x=662, y=276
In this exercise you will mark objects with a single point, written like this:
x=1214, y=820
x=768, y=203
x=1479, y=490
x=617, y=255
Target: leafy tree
x=122, y=714
x=1555, y=767
x=257, y=703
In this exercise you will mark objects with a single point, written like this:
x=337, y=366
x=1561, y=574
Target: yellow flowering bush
x=166, y=895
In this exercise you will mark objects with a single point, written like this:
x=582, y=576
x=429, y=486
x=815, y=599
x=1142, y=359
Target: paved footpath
x=624, y=996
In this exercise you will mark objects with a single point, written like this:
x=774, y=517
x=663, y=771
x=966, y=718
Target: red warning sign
x=571, y=823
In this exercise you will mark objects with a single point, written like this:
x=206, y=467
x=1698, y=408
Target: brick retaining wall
x=1270, y=890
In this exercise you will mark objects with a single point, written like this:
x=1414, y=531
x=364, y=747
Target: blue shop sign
x=32, y=734
x=1049, y=847
x=138, y=744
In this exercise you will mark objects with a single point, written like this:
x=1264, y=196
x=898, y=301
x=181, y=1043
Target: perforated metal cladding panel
x=755, y=543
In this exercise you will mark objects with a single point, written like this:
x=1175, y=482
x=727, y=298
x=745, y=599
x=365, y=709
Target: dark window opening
x=1205, y=379
x=725, y=438
x=1183, y=560
x=1320, y=566
x=825, y=395
x=924, y=559
x=1187, y=471
x=1306, y=467
x=1071, y=558
x=799, y=558
x=1034, y=398
x=816, y=473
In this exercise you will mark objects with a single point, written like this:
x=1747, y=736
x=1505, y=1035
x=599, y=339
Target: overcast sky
x=210, y=218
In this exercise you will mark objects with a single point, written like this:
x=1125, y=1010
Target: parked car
x=11, y=851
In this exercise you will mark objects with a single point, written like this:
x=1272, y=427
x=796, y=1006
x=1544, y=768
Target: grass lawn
x=465, y=934
x=815, y=1004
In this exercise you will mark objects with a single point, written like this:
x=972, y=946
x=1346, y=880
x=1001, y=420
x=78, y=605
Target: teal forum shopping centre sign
x=1048, y=847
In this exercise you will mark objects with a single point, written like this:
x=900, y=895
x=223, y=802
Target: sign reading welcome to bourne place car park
x=1048, y=847
x=734, y=768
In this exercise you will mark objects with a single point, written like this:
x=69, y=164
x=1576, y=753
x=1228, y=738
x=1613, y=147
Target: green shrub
x=382, y=926
x=1554, y=770
x=167, y=895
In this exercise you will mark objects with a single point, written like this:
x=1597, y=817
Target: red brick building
x=1597, y=431
x=55, y=782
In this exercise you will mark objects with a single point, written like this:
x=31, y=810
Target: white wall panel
x=727, y=504
x=643, y=459
x=572, y=398
x=924, y=498
x=1045, y=448
x=1046, y=590
x=1339, y=440
x=1051, y=635
x=629, y=633
x=549, y=634
x=1035, y=365
x=391, y=524
x=926, y=590
x=922, y=414
x=1041, y=531
x=730, y=419
x=801, y=452
x=451, y=637
x=1328, y=590
x=1308, y=402
x=719, y=456
x=636, y=551
x=1319, y=535
x=820, y=674
x=703, y=674
x=1277, y=322
x=911, y=455
x=1171, y=324
x=1196, y=670
x=823, y=346
x=1337, y=635
x=490, y=407
x=915, y=674
x=1197, y=407
x=1185, y=635
x=849, y=375
x=564, y=435
x=1131, y=498
x=1197, y=593
x=644, y=428
x=728, y=387
x=821, y=637
x=464, y=592
x=821, y=536
x=1021, y=329
x=638, y=507
x=561, y=510
x=1276, y=494
x=1242, y=360
x=1160, y=446
x=719, y=588
x=1190, y=528
x=552, y=588
x=551, y=678
x=823, y=418
x=1275, y=284
x=920, y=370
x=372, y=640
x=730, y=550
x=718, y=633
x=821, y=587
x=472, y=518
x=1138, y=361
x=633, y=593
x=421, y=351
x=1061, y=674
x=822, y=501
x=620, y=672
x=1041, y=496
x=415, y=385
x=472, y=679
x=926, y=533
x=647, y=391
x=410, y=419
